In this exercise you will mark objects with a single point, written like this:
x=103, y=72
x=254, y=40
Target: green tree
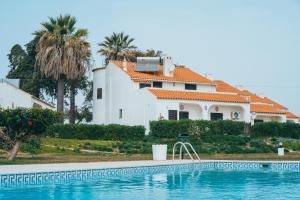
x=62, y=53
x=21, y=125
x=133, y=54
x=22, y=68
x=116, y=46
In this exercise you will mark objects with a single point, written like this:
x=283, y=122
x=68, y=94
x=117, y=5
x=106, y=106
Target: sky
x=253, y=44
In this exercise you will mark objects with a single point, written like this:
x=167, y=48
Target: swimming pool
x=206, y=180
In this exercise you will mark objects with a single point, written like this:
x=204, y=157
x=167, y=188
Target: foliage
x=33, y=146
x=22, y=68
x=289, y=130
x=63, y=54
x=96, y=132
x=172, y=128
x=21, y=124
x=116, y=46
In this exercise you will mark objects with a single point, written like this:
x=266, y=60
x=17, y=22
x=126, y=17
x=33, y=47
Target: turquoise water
x=194, y=184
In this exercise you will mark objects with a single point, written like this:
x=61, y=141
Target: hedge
x=172, y=128
x=290, y=130
x=96, y=132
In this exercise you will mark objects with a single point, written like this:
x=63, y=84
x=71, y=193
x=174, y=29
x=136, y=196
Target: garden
x=35, y=136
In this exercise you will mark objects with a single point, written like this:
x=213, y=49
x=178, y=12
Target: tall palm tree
x=62, y=53
x=116, y=46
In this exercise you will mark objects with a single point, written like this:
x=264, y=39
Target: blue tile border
x=96, y=174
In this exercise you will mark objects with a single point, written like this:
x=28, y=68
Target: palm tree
x=153, y=53
x=116, y=46
x=62, y=53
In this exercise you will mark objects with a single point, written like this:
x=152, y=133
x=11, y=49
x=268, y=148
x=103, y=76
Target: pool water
x=193, y=184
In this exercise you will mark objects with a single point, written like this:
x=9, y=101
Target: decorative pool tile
x=96, y=174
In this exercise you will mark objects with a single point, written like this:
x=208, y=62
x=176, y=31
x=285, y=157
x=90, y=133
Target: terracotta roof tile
x=181, y=74
x=291, y=115
x=265, y=108
x=275, y=103
x=222, y=86
x=187, y=95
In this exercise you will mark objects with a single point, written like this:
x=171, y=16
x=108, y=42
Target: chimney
x=124, y=64
x=168, y=66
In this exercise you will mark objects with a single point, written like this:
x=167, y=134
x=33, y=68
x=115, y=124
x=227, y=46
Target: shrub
x=290, y=130
x=33, y=146
x=21, y=124
x=171, y=128
x=96, y=132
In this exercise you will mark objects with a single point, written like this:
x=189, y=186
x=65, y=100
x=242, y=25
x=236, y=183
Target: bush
x=290, y=130
x=96, y=132
x=171, y=128
x=33, y=146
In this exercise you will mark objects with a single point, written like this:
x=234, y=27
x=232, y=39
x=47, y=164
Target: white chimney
x=124, y=64
x=168, y=66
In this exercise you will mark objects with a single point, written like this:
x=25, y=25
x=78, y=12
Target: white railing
x=184, y=145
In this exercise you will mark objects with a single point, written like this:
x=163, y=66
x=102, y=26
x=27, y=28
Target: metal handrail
x=183, y=145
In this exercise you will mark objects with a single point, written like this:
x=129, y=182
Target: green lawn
x=55, y=150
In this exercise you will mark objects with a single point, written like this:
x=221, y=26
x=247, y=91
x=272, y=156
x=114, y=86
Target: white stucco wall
x=202, y=109
x=120, y=92
x=181, y=86
x=271, y=117
x=293, y=120
x=13, y=97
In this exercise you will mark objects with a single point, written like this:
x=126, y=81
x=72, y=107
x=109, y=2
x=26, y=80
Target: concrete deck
x=36, y=168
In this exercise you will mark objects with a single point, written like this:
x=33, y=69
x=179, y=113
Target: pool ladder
x=184, y=145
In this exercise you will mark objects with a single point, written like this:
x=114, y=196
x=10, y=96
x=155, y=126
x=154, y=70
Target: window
x=99, y=93
x=120, y=113
x=157, y=84
x=183, y=115
x=143, y=85
x=190, y=86
x=258, y=121
x=172, y=114
x=216, y=116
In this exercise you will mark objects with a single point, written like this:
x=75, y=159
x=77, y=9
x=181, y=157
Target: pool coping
x=60, y=167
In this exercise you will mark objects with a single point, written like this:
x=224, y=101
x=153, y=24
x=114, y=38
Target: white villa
x=11, y=96
x=154, y=88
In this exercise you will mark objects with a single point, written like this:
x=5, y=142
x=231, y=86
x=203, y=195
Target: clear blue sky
x=254, y=43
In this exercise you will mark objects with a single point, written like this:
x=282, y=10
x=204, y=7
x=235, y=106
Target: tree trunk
x=60, y=98
x=13, y=153
x=72, y=116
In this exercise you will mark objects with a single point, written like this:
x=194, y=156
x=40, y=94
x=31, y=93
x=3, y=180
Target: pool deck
x=37, y=168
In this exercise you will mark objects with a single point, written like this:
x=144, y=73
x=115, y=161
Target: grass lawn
x=88, y=157
x=68, y=150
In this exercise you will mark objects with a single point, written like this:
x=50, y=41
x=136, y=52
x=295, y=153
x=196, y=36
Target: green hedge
x=96, y=132
x=290, y=130
x=172, y=128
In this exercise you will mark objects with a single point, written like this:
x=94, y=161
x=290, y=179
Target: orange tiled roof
x=181, y=74
x=299, y=118
x=264, y=108
x=222, y=86
x=275, y=103
x=187, y=95
x=291, y=115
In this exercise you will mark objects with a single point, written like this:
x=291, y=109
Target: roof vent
x=147, y=64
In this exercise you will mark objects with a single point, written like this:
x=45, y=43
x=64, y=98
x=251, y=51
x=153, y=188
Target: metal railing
x=184, y=145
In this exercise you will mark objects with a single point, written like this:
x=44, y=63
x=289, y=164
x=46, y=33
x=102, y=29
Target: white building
x=11, y=96
x=136, y=93
x=153, y=88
